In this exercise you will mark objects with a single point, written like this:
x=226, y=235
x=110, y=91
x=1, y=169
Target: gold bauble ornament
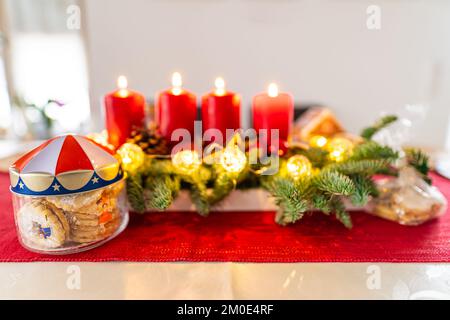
x=186, y=161
x=339, y=148
x=232, y=159
x=132, y=156
x=299, y=166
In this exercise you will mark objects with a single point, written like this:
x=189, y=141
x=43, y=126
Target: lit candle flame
x=177, y=82
x=272, y=90
x=122, y=84
x=220, y=86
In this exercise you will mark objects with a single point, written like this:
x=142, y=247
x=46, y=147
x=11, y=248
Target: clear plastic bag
x=408, y=199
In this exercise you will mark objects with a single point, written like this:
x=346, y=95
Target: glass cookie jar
x=68, y=196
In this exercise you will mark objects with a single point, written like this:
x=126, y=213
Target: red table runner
x=251, y=237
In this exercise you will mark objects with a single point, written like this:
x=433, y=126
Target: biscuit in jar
x=42, y=225
x=77, y=201
x=95, y=233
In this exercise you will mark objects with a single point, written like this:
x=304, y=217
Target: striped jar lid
x=64, y=165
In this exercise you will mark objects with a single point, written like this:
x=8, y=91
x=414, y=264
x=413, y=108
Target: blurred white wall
x=321, y=51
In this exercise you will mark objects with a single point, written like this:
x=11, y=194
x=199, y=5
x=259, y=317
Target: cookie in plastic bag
x=408, y=199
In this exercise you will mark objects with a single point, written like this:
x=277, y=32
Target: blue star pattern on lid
x=57, y=189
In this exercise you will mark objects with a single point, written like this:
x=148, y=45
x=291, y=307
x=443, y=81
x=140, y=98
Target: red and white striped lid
x=64, y=165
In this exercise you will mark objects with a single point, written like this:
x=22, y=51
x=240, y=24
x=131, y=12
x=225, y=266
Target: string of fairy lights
x=231, y=158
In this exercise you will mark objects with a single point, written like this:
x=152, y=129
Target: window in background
x=5, y=110
x=48, y=68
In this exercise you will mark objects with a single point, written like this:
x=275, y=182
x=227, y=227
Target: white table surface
x=125, y=280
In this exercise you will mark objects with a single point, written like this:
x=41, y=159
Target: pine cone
x=150, y=141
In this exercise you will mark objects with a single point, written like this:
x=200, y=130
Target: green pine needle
x=224, y=184
x=335, y=183
x=345, y=218
x=369, y=167
x=162, y=192
x=135, y=193
x=364, y=187
x=369, y=132
x=317, y=156
x=418, y=159
x=199, y=196
x=289, y=197
x=159, y=167
x=373, y=150
x=341, y=214
x=321, y=202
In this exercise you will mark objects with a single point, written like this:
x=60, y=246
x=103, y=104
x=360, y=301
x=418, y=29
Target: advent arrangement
x=73, y=193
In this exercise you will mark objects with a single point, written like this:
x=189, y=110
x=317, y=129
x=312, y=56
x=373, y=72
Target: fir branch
x=334, y=182
x=364, y=187
x=198, y=190
x=162, y=192
x=373, y=150
x=368, y=132
x=161, y=198
x=223, y=185
x=202, y=175
x=249, y=180
x=317, y=156
x=199, y=196
x=135, y=193
x=418, y=159
x=388, y=171
x=368, y=167
x=322, y=202
x=341, y=214
x=290, y=197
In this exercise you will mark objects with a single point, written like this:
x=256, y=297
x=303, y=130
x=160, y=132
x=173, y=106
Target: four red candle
x=175, y=108
x=221, y=110
x=124, y=109
x=273, y=110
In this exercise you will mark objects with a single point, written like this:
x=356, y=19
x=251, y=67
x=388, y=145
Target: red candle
x=221, y=110
x=273, y=110
x=175, y=108
x=124, y=109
